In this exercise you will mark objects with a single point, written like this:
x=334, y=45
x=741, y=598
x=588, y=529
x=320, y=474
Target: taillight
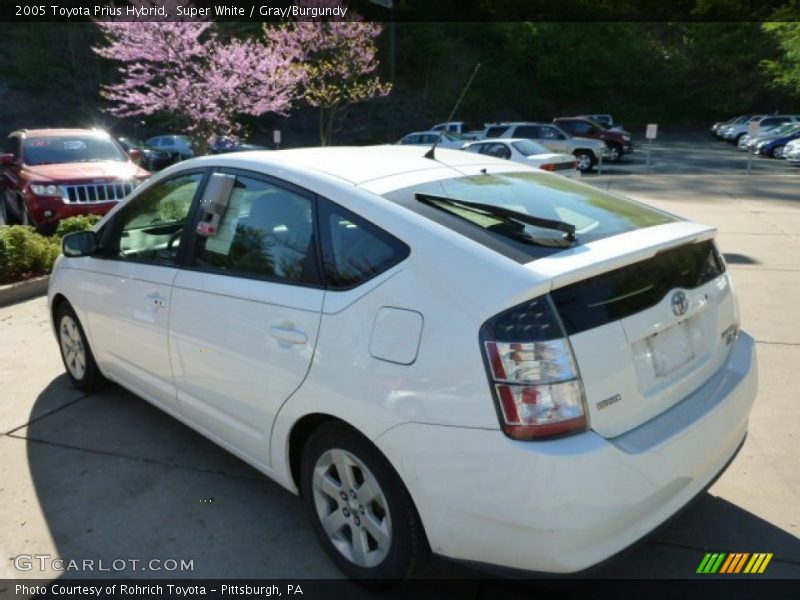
x=547, y=167
x=535, y=383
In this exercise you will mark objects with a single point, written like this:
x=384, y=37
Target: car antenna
x=431, y=153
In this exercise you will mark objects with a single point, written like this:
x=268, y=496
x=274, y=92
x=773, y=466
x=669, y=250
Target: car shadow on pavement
x=739, y=259
x=118, y=479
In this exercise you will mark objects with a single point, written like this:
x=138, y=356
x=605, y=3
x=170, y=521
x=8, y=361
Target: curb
x=23, y=290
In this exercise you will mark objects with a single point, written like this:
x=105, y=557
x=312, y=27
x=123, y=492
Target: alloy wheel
x=72, y=347
x=584, y=162
x=352, y=508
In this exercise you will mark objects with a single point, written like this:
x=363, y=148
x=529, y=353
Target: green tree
x=784, y=71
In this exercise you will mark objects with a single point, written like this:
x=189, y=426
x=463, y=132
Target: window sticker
x=221, y=242
x=74, y=145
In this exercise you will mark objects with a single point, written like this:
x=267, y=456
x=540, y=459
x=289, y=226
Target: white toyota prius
x=455, y=355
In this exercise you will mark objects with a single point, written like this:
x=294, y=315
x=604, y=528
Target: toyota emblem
x=680, y=304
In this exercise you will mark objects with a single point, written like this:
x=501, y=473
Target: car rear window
x=595, y=214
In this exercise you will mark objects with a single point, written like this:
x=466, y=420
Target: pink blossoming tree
x=340, y=66
x=183, y=69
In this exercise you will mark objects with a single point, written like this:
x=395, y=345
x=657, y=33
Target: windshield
x=529, y=148
x=50, y=150
x=595, y=214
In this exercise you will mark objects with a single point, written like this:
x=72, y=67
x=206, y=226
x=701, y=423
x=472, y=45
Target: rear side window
x=527, y=131
x=353, y=249
x=496, y=131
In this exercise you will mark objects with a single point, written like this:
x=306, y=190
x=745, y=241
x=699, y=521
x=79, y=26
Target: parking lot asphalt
x=107, y=476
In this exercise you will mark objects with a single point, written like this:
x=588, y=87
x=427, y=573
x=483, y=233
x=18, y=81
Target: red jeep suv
x=619, y=142
x=50, y=174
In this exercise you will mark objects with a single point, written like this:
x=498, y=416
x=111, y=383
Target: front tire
x=777, y=151
x=584, y=161
x=361, y=512
x=75, y=351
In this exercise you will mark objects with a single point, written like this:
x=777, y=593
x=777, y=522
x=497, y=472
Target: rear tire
x=75, y=351
x=361, y=512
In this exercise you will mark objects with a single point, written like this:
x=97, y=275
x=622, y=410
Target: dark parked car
x=179, y=147
x=223, y=145
x=149, y=158
x=774, y=146
x=618, y=142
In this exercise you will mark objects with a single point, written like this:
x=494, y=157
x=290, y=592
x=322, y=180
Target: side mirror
x=7, y=159
x=79, y=243
x=135, y=154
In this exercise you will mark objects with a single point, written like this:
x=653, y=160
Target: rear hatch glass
x=595, y=214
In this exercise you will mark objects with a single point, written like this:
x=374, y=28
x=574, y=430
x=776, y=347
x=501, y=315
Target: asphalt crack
x=45, y=415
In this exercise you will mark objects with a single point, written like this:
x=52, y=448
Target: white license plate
x=671, y=349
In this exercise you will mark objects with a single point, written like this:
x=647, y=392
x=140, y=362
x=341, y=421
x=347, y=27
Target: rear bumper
x=565, y=505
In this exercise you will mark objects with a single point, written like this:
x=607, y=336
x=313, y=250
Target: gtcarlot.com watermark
x=46, y=562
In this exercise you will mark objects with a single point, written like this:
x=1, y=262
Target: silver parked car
x=792, y=152
x=587, y=152
x=427, y=138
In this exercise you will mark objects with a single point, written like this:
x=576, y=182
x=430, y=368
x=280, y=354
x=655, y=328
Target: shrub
x=73, y=224
x=25, y=253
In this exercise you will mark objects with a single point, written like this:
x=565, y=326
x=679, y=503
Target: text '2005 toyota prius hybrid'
x=456, y=355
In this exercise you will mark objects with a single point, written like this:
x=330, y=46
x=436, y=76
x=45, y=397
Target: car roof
x=33, y=133
x=510, y=123
x=501, y=141
x=355, y=164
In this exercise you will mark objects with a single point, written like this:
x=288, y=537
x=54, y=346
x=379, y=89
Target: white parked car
x=528, y=153
x=463, y=356
x=587, y=152
x=427, y=138
x=792, y=152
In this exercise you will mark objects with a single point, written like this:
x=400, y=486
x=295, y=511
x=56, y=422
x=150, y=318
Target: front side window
x=353, y=249
x=551, y=133
x=150, y=226
x=266, y=232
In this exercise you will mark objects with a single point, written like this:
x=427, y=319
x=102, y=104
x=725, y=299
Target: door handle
x=156, y=300
x=288, y=335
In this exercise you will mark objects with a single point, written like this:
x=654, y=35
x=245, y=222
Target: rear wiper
x=499, y=211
